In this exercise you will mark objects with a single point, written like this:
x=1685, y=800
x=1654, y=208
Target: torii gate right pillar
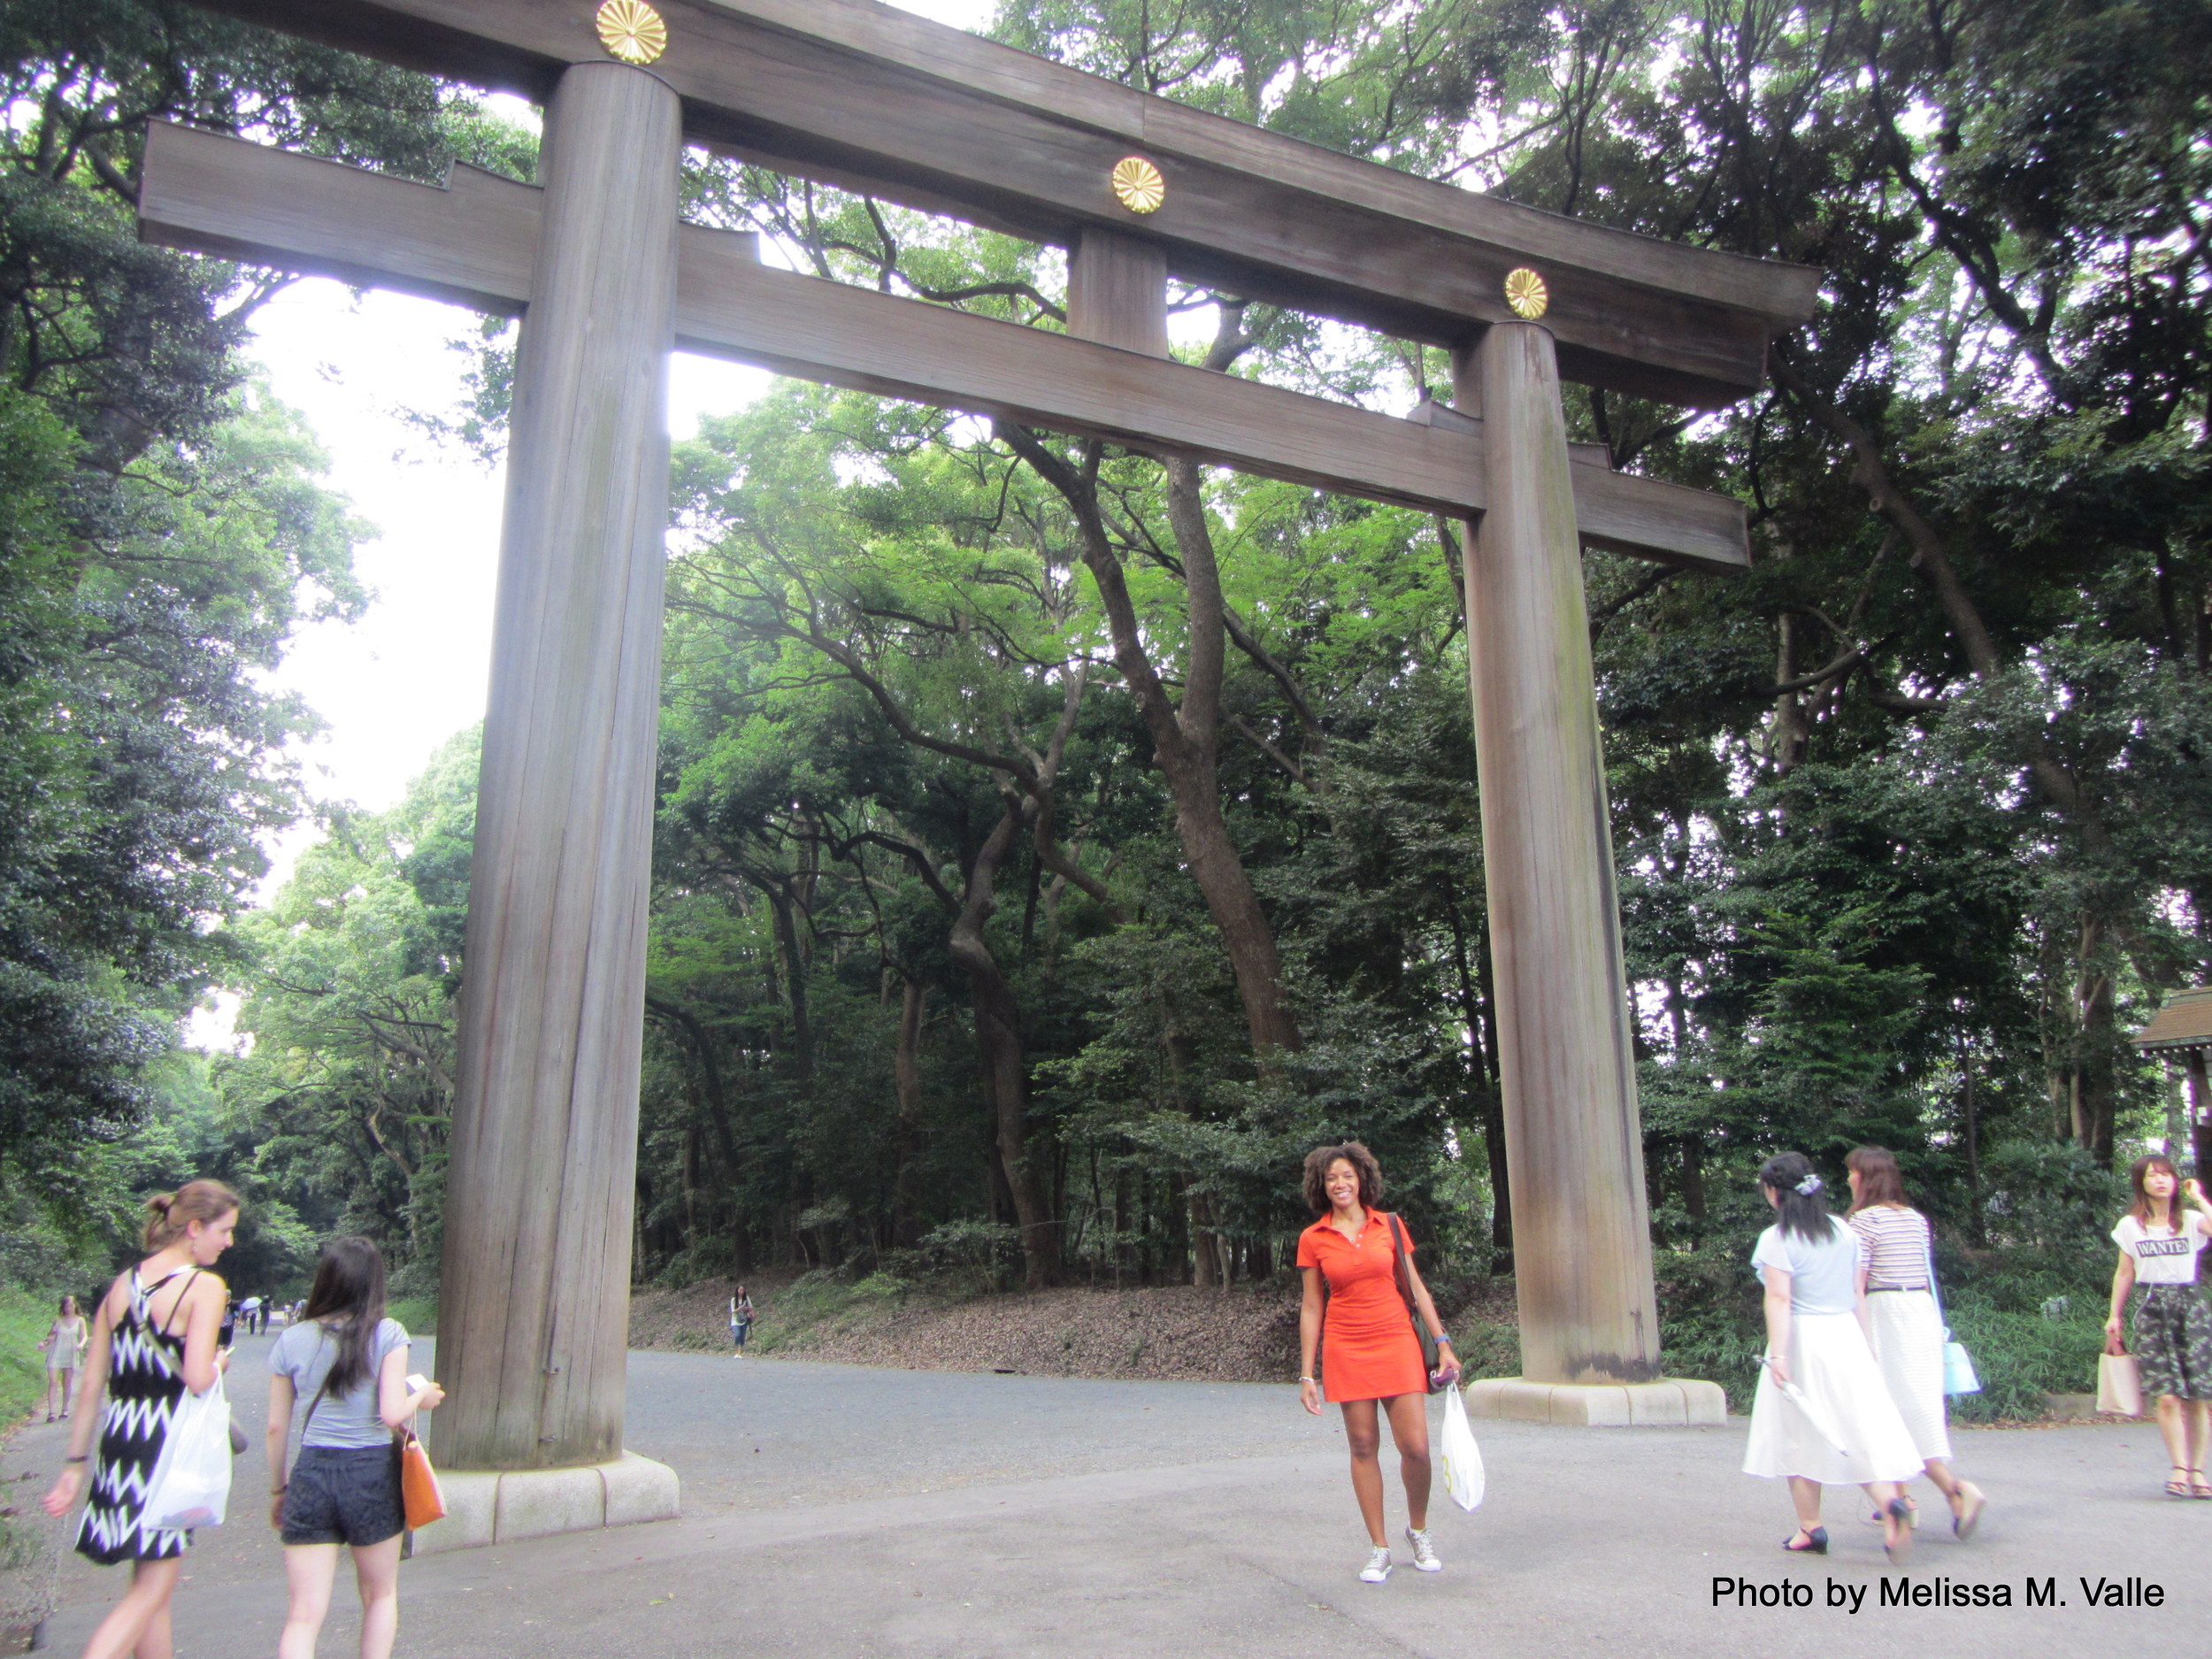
x=1574, y=1145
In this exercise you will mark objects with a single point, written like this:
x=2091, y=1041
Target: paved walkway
x=839, y=1510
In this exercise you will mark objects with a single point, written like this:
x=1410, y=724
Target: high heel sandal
x=2199, y=1486
x=1897, y=1538
x=2177, y=1488
x=1815, y=1542
x=1968, y=1516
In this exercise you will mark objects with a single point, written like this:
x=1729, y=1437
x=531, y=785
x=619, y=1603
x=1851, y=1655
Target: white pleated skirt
x=1908, y=1350
x=1829, y=1359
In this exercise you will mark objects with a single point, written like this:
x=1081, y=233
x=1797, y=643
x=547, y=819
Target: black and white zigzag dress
x=145, y=1382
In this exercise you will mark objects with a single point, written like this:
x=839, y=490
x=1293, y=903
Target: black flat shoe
x=1816, y=1542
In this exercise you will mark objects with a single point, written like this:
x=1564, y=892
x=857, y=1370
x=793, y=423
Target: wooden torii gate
x=860, y=96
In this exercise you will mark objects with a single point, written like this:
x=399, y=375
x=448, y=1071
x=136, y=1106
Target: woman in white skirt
x=1822, y=1416
x=1897, y=1278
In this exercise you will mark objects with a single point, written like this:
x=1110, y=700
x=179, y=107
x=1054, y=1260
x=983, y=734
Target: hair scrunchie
x=1806, y=1188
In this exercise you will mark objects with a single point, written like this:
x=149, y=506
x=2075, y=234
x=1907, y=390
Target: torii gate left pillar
x=537, y=1274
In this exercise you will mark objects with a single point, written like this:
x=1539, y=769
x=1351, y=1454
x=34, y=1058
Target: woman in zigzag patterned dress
x=145, y=1382
x=153, y=1337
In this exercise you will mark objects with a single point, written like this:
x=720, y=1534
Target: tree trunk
x=999, y=1051
x=2094, y=1090
x=1482, y=1068
x=2200, y=1111
x=780, y=906
x=1788, y=734
x=906, y=1071
x=1184, y=740
x=1210, y=1266
x=715, y=1099
x=1971, y=1126
x=1693, y=1183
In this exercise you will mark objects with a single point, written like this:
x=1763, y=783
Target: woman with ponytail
x=350, y=1363
x=1822, y=1416
x=153, y=1338
x=1905, y=1319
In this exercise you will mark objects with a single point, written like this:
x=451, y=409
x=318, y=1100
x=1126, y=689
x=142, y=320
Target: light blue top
x=1823, y=1276
x=305, y=1353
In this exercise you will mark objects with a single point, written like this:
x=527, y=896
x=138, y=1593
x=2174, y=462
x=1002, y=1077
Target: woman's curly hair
x=1363, y=1163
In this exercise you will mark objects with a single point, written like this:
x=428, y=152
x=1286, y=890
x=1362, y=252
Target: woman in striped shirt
x=1896, y=1272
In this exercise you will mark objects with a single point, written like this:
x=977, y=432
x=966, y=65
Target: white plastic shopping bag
x=1461, y=1458
x=191, y=1480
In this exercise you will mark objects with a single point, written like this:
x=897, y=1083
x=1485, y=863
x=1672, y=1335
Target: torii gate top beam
x=864, y=95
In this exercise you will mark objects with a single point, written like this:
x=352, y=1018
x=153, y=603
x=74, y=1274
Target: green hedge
x=24, y=1319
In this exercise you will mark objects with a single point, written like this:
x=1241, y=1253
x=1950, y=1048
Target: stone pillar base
x=491, y=1506
x=1673, y=1402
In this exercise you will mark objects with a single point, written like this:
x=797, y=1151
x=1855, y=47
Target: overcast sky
x=396, y=685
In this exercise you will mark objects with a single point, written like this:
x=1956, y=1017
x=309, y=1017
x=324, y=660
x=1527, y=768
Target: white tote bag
x=1461, y=1457
x=191, y=1481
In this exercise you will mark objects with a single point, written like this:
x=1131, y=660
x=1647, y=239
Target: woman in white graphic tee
x=2172, y=1330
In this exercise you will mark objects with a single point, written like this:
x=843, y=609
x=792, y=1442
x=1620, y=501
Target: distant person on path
x=64, y=1342
x=226, y=1335
x=1356, y=1315
x=2172, y=1330
x=251, y=1308
x=1822, y=1416
x=350, y=1363
x=740, y=1321
x=152, y=1339
x=1905, y=1326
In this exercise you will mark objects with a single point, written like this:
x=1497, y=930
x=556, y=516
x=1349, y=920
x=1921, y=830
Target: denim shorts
x=343, y=1495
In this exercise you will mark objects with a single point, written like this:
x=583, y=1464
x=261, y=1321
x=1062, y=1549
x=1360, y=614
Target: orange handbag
x=418, y=1482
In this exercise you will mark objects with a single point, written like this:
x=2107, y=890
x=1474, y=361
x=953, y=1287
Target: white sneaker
x=1423, y=1553
x=1378, y=1567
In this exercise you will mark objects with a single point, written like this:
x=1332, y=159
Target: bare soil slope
x=1248, y=1333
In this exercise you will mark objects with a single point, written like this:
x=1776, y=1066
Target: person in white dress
x=1821, y=1416
x=64, y=1344
x=1904, y=1323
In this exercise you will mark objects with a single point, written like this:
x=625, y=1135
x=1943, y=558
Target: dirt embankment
x=1246, y=1333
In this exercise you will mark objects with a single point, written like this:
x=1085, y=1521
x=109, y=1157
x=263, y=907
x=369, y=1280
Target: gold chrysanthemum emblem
x=632, y=31
x=1525, y=293
x=1138, y=184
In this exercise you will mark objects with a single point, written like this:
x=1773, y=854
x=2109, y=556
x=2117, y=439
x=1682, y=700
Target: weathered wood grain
x=534, y=1300
x=1574, y=1150
x=215, y=194
x=1117, y=292
x=865, y=96
x=471, y=242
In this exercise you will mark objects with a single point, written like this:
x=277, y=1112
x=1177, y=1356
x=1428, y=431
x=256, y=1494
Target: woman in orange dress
x=1369, y=1355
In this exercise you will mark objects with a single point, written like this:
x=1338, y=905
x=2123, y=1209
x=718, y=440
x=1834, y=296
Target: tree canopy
x=1052, y=842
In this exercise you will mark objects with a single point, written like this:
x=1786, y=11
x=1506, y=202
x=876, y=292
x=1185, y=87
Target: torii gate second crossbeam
x=534, y=1309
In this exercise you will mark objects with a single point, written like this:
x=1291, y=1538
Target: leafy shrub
x=2020, y=1357
x=1711, y=1325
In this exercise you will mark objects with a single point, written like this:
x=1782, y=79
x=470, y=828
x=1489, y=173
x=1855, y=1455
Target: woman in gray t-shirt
x=348, y=1362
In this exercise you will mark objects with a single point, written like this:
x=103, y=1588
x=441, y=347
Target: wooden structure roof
x=2184, y=1024
x=867, y=97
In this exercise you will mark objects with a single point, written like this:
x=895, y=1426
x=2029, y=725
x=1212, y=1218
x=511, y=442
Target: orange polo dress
x=1368, y=1349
